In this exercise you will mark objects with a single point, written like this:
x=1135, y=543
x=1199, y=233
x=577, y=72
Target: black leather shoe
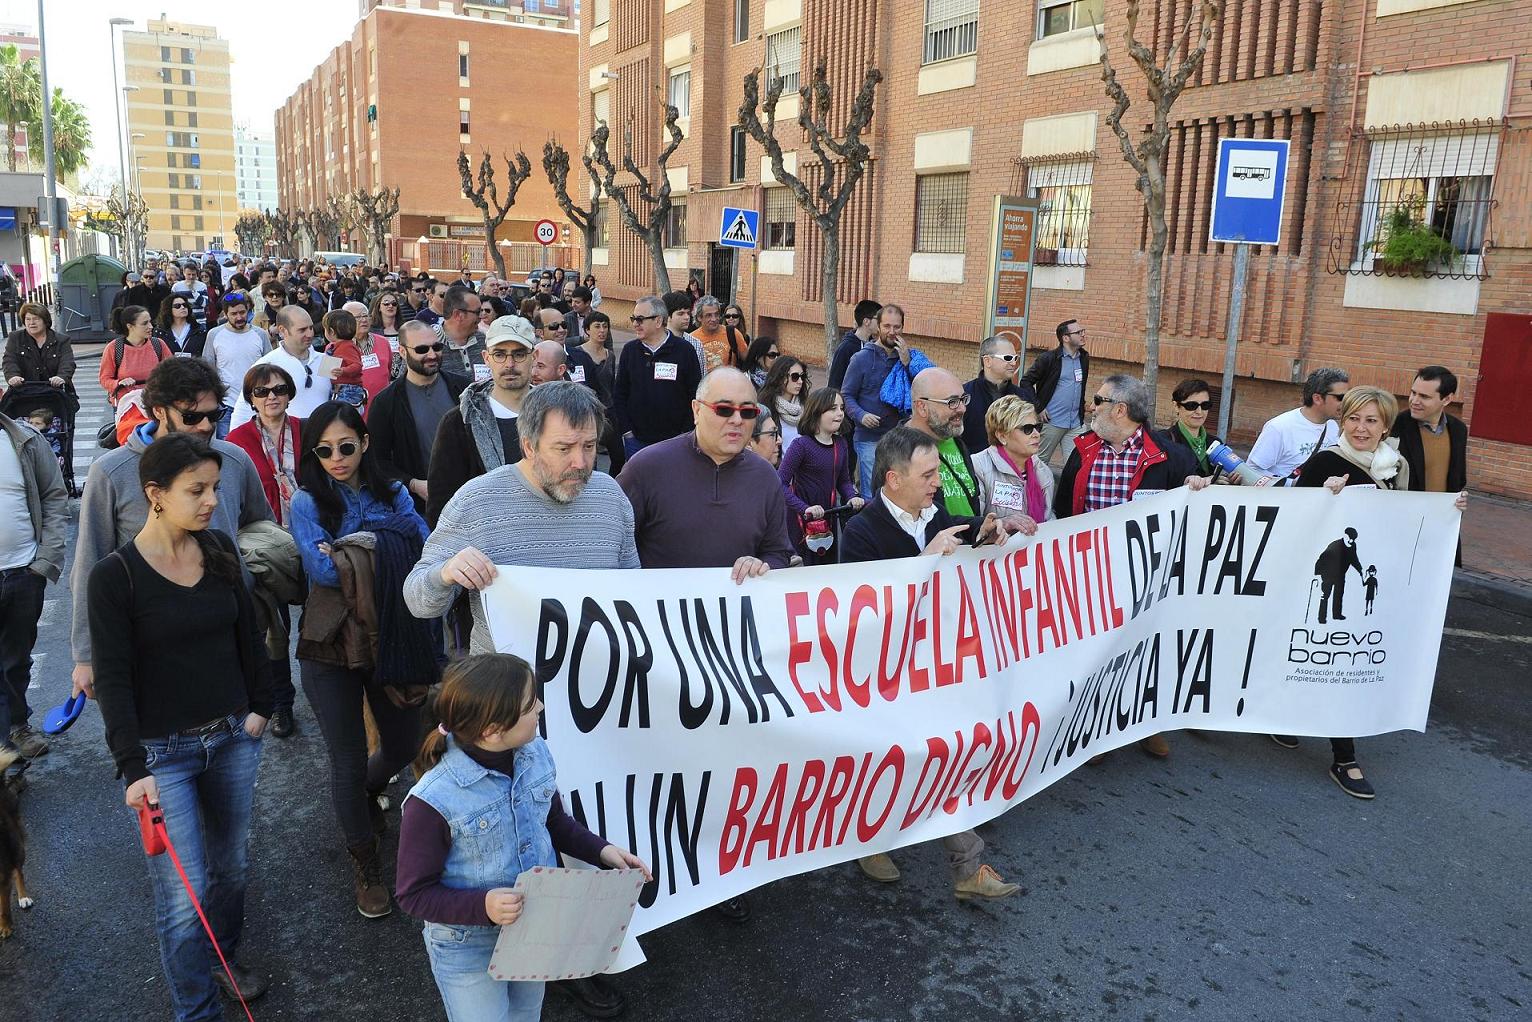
x=735, y=910
x=251, y=983
x=282, y=723
x=594, y=996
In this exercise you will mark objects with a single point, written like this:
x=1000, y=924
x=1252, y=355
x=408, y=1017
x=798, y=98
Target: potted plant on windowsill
x=1408, y=246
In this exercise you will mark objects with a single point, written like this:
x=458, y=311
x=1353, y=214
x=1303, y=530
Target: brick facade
x=1275, y=68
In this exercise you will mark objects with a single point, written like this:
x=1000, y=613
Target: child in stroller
x=49, y=411
x=51, y=427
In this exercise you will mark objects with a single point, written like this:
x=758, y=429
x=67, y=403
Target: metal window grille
x=1056, y=16
x=781, y=219
x=1063, y=188
x=680, y=93
x=783, y=59
x=941, y=212
x=736, y=154
x=675, y=225
x=952, y=29
x=1424, y=205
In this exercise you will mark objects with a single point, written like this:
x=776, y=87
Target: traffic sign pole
x=1231, y=344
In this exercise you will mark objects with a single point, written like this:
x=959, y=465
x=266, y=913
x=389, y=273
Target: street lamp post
x=122, y=147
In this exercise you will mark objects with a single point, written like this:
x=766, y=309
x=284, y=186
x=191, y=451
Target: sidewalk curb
x=1493, y=591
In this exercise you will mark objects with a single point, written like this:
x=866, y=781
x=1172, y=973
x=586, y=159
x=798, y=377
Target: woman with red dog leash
x=184, y=687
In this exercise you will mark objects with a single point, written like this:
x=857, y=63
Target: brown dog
x=13, y=847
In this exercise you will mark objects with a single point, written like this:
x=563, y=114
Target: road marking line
x=1464, y=633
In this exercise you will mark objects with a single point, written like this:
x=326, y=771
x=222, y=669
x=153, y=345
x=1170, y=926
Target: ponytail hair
x=486, y=692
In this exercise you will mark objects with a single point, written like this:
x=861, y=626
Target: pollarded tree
x=285, y=224
x=1164, y=84
x=252, y=229
x=485, y=196
x=375, y=214
x=556, y=166
x=655, y=199
x=128, y=220
x=842, y=162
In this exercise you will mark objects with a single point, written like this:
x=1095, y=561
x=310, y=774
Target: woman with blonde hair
x=1012, y=478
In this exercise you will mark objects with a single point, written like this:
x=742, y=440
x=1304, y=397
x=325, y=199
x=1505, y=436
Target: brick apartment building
x=1386, y=102
x=394, y=105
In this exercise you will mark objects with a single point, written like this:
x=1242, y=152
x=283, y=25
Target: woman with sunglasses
x=1194, y=400
x=1011, y=477
x=272, y=437
x=178, y=327
x=782, y=395
x=734, y=328
x=758, y=359
x=386, y=318
x=341, y=490
x=595, y=292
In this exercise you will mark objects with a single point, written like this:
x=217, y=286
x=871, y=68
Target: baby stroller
x=23, y=401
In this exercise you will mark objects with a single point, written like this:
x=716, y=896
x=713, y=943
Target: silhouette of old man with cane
x=1331, y=567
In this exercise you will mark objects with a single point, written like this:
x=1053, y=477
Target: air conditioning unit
x=438, y=230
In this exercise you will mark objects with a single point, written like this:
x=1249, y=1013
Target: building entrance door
x=720, y=272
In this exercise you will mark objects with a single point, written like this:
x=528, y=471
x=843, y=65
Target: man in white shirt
x=1287, y=441
x=296, y=353
x=233, y=348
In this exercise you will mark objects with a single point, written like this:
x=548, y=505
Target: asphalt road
x=1233, y=881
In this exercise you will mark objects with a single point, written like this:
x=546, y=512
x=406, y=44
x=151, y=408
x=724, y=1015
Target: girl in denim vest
x=485, y=810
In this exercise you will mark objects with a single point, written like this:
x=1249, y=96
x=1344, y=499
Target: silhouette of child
x=1370, y=584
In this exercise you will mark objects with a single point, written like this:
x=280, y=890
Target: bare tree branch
x=556, y=166
x=486, y=198
x=375, y=213
x=651, y=230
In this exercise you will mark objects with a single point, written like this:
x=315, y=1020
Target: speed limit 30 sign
x=547, y=232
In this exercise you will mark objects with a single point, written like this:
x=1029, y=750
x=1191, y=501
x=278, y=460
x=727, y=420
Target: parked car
x=345, y=260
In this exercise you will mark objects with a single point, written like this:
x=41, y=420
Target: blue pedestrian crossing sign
x=738, y=228
x=1249, y=190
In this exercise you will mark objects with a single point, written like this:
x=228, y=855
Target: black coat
x=1414, y=452
x=394, y=441
x=873, y=535
x=980, y=398
x=1043, y=378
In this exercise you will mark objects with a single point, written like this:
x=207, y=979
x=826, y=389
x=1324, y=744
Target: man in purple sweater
x=701, y=500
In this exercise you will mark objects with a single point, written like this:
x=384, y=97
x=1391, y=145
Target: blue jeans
x=21, y=605
x=866, y=451
x=207, y=788
x=631, y=445
x=460, y=962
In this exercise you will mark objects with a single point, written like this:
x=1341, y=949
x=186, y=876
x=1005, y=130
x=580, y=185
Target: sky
x=275, y=45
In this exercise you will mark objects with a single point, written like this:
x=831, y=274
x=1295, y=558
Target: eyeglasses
x=347, y=448
x=727, y=410
x=1339, y=397
x=280, y=390
x=1030, y=428
x=388, y=305
x=771, y=354
x=1098, y=400
x=1196, y=406
x=195, y=418
x=421, y=349
x=179, y=305
x=417, y=290
x=500, y=355
x=953, y=403
x=1007, y=359
x=774, y=433
x=732, y=315
x=640, y=319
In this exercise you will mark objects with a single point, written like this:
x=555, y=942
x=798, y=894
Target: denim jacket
x=363, y=510
x=499, y=824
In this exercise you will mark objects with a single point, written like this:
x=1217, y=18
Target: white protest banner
x=732, y=735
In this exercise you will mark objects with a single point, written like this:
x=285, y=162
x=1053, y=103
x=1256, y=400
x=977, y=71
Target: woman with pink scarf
x=1012, y=479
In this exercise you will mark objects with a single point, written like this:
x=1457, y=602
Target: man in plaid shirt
x=1123, y=456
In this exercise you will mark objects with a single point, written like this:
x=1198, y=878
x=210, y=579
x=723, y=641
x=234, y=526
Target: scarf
x=1384, y=466
x=480, y=420
x=1198, y=444
x=788, y=410
x=1037, y=508
x=283, y=468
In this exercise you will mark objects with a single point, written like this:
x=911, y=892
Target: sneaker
x=1286, y=741
x=251, y=983
x=593, y=996
x=28, y=741
x=879, y=867
x=371, y=892
x=735, y=910
x=985, y=883
x=1349, y=777
x=282, y=723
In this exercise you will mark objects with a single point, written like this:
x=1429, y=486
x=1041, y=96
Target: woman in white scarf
x=1365, y=455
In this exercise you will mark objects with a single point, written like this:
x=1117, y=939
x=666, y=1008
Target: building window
x=462, y=68
x=1055, y=16
x=781, y=219
x=741, y=20
x=679, y=94
x=165, y=75
x=601, y=12
x=175, y=201
x=168, y=97
x=782, y=59
x=188, y=77
x=941, y=212
x=675, y=225
x=194, y=181
x=191, y=120
x=170, y=118
x=462, y=122
x=170, y=159
x=952, y=29
x=175, y=181
x=191, y=98
x=1063, y=189
x=194, y=159
x=1423, y=190
x=188, y=56
x=164, y=54
x=604, y=223
x=600, y=108
x=736, y=154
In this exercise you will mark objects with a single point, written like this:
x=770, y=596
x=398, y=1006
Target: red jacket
x=248, y=438
x=1163, y=466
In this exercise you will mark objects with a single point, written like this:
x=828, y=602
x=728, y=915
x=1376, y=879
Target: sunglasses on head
x=421, y=349
x=727, y=410
x=277, y=390
x=196, y=418
x=1196, y=406
x=346, y=448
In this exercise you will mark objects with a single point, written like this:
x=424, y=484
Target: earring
x=157, y=510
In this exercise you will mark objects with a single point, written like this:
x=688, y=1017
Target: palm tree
x=71, y=136
x=20, y=96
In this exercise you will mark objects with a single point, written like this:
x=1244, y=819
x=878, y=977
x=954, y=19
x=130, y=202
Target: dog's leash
x=151, y=821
